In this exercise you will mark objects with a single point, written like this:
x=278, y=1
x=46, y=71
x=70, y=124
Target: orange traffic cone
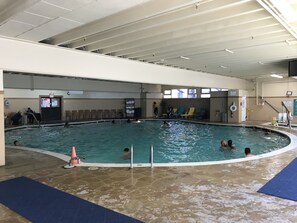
x=74, y=159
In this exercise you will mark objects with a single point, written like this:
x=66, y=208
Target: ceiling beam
x=221, y=40
x=161, y=18
x=186, y=34
x=14, y=7
x=271, y=9
x=131, y=15
x=220, y=14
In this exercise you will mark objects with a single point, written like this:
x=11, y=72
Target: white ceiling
x=241, y=38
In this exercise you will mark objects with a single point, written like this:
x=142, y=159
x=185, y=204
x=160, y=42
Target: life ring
x=6, y=102
x=233, y=108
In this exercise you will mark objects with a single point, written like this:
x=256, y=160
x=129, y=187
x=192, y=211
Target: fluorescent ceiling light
x=295, y=77
x=276, y=76
x=260, y=62
x=223, y=67
x=75, y=92
x=185, y=58
x=229, y=51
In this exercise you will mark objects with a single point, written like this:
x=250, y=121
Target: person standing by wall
x=155, y=109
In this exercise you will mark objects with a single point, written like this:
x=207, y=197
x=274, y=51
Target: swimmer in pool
x=17, y=143
x=247, y=152
x=230, y=144
x=127, y=154
x=166, y=124
x=66, y=125
x=224, y=143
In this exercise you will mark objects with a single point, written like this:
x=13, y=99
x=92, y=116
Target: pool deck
x=210, y=193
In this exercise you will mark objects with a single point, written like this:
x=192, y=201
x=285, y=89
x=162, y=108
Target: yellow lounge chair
x=189, y=114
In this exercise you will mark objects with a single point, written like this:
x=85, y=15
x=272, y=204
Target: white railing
x=152, y=155
x=131, y=157
x=151, y=158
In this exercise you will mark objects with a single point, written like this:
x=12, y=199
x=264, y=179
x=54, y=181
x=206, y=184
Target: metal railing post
x=152, y=155
x=131, y=157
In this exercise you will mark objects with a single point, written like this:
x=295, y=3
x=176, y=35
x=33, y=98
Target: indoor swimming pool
x=182, y=142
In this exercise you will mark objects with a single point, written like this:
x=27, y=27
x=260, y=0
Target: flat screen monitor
x=55, y=102
x=45, y=102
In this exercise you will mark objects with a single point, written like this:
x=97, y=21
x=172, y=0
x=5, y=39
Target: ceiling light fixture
x=185, y=58
x=223, y=67
x=276, y=76
x=229, y=51
x=260, y=62
x=288, y=42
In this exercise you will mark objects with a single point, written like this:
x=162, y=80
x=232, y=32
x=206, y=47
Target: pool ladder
x=151, y=156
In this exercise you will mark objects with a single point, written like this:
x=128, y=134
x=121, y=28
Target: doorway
x=51, y=109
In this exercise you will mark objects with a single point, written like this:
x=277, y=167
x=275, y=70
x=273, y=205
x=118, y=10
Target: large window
x=192, y=93
x=181, y=93
x=205, y=92
x=167, y=94
x=218, y=89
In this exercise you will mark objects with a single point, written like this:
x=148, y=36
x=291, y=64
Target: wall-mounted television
x=292, y=68
x=55, y=102
x=45, y=102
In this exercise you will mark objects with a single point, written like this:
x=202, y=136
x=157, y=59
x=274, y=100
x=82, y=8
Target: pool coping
x=291, y=146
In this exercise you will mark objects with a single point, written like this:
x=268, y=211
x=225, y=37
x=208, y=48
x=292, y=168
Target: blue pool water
x=182, y=142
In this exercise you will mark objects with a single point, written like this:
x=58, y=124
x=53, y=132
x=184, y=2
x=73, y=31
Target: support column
x=2, y=139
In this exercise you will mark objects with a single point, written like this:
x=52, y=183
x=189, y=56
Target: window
x=192, y=93
x=167, y=93
x=176, y=93
x=205, y=95
x=218, y=89
x=205, y=92
x=179, y=93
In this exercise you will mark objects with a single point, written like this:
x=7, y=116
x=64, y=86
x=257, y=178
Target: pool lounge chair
x=189, y=114
x=169, y=113
x=180, y=111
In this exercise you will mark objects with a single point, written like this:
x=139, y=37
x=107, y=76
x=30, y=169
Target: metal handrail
x=283, y=104
x=152, y=155
x=151, y=159
x=289, y=115
x=31, y=113
x=131, y=157
x=271, y=106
